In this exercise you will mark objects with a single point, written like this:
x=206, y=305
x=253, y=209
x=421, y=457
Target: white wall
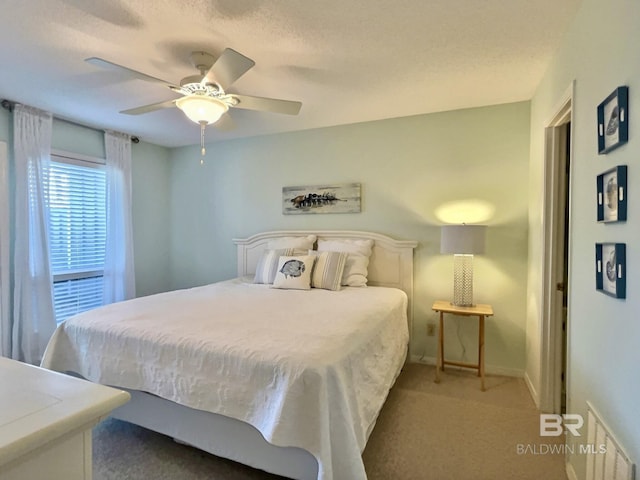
x=600, y=53
x=407, y=167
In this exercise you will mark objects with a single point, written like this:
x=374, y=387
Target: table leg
x=440, y=354
x=441, y=340
x=481, y=353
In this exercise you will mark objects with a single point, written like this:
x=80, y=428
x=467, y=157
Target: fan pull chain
x=203, y=151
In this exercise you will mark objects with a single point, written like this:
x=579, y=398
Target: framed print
x=612, y=195
x=613, y=120
x=611, y=276
x=340, y=198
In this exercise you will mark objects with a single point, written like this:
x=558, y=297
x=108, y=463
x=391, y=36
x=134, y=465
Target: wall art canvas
x=613, y=120
x=611, y=269
x=311, y=199
x=612, y=195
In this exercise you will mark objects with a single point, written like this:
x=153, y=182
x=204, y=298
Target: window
x=77, y=229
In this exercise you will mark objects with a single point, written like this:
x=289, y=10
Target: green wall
x=4, y=125
x=186, y=214
x=151, y=193
x=407, y=167
x=599, y=53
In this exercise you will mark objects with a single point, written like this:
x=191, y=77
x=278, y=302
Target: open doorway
x=554, y=324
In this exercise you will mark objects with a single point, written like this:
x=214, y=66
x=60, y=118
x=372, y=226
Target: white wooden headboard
x=390, y=265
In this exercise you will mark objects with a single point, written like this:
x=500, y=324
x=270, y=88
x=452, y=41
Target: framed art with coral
x=611, y=275
x=612, y=195
x=613, y=120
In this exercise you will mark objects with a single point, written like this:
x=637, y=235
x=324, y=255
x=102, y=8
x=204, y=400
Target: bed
x=290, y=382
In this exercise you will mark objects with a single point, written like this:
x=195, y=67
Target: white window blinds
x=77, y=205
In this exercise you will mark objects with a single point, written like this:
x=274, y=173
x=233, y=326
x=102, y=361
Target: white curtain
x=5, y=320
x=33, y=315
x=119, y=280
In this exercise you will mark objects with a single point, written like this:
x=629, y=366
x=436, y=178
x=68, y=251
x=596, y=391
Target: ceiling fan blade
x=225, y=123
x=228, y=68
x=99, y=62
x=274, y=105
x=149, y=108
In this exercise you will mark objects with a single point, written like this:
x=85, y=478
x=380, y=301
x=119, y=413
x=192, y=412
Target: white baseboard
x=422, y=359
x=532, y=390
x=571, y=473
x=489, y=369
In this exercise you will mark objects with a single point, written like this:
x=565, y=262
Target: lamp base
x=462, y=281
x=467, y=306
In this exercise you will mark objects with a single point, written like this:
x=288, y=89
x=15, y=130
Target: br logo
x=552, y=425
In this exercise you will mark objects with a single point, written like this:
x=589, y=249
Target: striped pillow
x=328, y=269
x=268, y=265
x=356, y=268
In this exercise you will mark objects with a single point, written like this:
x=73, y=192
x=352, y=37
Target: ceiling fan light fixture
x=202, y=109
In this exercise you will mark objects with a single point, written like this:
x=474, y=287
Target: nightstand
x=46, y=422
x=481, y=311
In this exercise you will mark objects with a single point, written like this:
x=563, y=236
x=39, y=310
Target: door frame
x=5, y=322
x=551, y=338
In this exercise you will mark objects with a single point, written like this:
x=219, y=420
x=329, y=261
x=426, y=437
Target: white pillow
x=268, y=264
x=294, y=272
x=356, y=268
x=328, y=269
x=301, y=244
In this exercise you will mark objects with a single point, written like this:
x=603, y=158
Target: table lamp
x=463, y=241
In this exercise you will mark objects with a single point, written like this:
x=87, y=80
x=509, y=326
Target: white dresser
x=46, y=420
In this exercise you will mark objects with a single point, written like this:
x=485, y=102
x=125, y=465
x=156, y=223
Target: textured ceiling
x=347, y=61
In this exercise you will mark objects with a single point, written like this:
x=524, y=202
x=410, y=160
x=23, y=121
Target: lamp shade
x=462, y=239
x=201, y=108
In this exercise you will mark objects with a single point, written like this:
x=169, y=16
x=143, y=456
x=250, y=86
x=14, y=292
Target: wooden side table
x=479, y=310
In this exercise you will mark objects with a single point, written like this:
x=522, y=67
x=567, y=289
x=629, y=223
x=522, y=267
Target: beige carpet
x=446, y=431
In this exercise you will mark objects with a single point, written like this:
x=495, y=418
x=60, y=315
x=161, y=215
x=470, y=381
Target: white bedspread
x=309, y=369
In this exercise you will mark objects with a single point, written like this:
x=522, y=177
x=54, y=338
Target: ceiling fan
x=204, y=98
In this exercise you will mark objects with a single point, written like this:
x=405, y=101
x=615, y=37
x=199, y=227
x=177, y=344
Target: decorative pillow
x=300, y=244
x=356, y=268
x=294, y=272
x=328, y=269
x=268, y=265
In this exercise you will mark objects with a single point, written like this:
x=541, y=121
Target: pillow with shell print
x=294, y=272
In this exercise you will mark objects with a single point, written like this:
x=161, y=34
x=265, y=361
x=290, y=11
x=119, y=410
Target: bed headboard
x=390, y=265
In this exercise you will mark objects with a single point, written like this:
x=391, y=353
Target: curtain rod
x=8, y=105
